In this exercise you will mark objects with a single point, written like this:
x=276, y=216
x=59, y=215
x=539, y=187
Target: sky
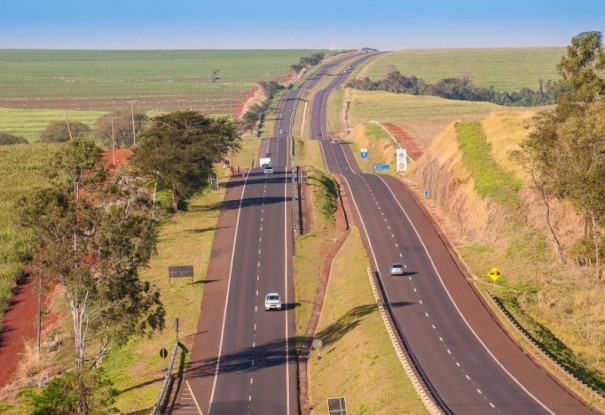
x=288, y=24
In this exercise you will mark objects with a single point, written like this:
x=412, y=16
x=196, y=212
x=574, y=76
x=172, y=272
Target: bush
x=59, y=132
x=6, y=139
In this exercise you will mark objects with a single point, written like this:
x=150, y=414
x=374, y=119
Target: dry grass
x=381, y=148
x=562, y=298
x=423, y=116
x=357, y=351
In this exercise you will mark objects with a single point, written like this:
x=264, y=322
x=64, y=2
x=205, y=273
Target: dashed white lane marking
x=251, y=381
x=255, y=308
x=426, y=314
x=492, y=405
x=420, y=301
x=467, y=377
x=254, y=326
x=457, y=364
x=415, y=290
x=253, y=344
x=440, y=338
x=479, y=391
x=258, y=264
x=249, y=398
x=401, y=256
x=257, y=293
x=259, y=251
x=449, y=351
x=433, y=326
x=253, y=363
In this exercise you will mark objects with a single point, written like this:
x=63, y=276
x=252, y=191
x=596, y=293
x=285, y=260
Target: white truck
x=264, y=161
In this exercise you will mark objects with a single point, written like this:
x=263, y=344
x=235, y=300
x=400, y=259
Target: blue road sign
x=380, y=166
x=426, y=193
x=364, y=153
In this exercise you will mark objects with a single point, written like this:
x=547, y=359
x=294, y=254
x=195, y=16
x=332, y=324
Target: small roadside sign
x=426, y=193
x=380, y=167
x=364, y=153
x=494, y=274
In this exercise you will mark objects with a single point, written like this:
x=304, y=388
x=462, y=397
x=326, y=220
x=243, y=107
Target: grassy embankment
x=157, y=80
x=497, y=212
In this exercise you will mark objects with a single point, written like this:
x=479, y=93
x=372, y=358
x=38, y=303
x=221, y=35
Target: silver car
x=397, y=268
x=268, y=169
x=272, y=301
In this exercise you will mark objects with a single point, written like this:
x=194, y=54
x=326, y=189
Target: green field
x=29, y=122
x=157, y=80
x=423, y=116
x=23, y=168
x=506, y=69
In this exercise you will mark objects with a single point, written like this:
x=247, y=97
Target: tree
x=6, y=139
x=178, y=149
x=93, y=246
x=121, y=130
x=581, y=67
x=214, y=75
x=62, y=131
x=270, y=87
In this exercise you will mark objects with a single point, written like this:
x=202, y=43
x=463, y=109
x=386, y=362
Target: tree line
x=461, y=89
x=565, y=153
x=93, y=233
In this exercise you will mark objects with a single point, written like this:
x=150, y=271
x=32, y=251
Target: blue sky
x=288, y=24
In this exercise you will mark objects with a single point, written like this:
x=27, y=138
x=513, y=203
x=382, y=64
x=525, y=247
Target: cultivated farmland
x=506, y=69
x=157, y=80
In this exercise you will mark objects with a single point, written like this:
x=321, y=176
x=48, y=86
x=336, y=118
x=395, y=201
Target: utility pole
x=68, y=128
x=134, y=134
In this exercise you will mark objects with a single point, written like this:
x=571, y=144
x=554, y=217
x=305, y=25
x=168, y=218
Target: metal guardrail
x=542, y=352
x=158, y=402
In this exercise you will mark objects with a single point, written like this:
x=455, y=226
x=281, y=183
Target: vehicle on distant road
x=397, y=269
x=268, y=169
x=272, y=301
x=264, y=161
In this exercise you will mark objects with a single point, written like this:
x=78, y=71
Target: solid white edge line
x=456, y=306
x=286, y=281
x=220, y=346
x=193, y=396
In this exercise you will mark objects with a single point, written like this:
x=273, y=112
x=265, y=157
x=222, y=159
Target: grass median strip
x=357, y=360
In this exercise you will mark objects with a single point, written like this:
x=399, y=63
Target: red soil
x=407, y=141
x=19, y=322
x=239, y=110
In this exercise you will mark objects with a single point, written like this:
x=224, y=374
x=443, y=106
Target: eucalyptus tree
x=177, y=151
x=92, y=240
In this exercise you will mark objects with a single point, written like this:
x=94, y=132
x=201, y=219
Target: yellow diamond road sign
x=494, y=274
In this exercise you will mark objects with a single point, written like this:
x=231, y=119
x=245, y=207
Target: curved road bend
x=242, y=359
x=470, y=362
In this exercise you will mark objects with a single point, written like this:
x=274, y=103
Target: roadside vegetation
x=516, y=187
x=357, y=350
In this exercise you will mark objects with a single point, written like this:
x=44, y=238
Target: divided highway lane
x=255, y=372
x=471, y=364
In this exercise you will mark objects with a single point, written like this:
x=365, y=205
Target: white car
x=397, y=268
x=268, y=169
x=272, y=301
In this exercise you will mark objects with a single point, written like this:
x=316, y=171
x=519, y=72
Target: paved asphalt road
x=243, y=358
x=470, y=363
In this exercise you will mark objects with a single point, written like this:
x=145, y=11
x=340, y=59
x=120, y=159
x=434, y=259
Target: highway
x=243, y=359
x=467, y=361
